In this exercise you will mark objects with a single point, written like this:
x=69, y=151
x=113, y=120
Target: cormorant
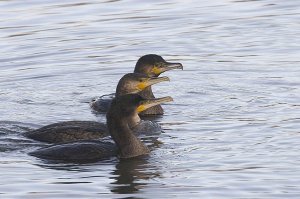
x=127, y=145
x=150, y=65
x=129, y=83
x=86, y=130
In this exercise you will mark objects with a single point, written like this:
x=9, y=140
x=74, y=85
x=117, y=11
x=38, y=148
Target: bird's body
x=81, y=140
x=81, y=151
x=69, y=131
x=87, y=130
x=127, y=145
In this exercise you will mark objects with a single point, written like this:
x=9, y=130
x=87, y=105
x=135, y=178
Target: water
x=231, y=132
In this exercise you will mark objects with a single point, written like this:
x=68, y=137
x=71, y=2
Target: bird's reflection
x=130, y=175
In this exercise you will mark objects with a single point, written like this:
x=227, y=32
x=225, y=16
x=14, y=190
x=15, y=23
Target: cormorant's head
x=153, y=65
x=127, y=105
x=136, y=82
x=121, y=111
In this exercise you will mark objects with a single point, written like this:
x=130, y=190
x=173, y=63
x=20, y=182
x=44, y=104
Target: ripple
x=232, y=131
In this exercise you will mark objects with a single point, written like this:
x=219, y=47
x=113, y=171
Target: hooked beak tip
x=166, y=78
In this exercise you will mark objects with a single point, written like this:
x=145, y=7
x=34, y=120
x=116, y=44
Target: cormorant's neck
x=133, y=120
x=147, y=93
x=155, y=110
x=128, y=144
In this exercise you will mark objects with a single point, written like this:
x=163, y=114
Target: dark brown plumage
x=122, y=109
x=150, y=65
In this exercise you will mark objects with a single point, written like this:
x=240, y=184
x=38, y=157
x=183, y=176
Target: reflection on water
x=130, y=176
x=231, y=132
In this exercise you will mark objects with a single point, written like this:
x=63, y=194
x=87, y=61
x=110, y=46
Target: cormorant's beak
x=145, y=104
x=150, y=81
x=165, y=67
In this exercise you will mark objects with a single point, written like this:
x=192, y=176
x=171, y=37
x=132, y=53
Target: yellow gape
x=142, y=85
x=156, y=70
x=141, y=108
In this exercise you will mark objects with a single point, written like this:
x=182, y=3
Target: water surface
x=231, y=132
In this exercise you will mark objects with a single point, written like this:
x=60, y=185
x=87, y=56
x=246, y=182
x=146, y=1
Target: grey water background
x=233, y=130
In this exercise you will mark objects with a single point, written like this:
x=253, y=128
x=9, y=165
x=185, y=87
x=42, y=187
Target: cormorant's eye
x=159, y=65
